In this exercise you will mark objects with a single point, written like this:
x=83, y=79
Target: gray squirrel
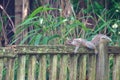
x=93, y=44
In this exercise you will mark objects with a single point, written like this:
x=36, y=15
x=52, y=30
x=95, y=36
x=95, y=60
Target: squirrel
x=79, y=42
x=93, y=44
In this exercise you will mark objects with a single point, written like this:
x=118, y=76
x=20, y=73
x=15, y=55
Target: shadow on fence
x=59, y=63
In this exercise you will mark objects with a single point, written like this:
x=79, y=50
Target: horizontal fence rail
x=59, y=63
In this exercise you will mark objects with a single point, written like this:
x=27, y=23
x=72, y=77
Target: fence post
x=102, y=61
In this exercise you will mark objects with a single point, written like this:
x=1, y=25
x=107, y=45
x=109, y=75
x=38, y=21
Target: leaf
x=37, y=39
x=103, y=25
x=32, y=40
x=45, y=40
x=26, y=38
x=59, y=23
x=25, y=24
x=97, y=5
x=54, y=36
x=40, y=9
x=77, y=23
x=28, y=21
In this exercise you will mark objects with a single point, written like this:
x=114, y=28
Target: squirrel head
x=105, y=38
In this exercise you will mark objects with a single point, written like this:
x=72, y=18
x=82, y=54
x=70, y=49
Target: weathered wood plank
x=113, y=50
x=10, y=69
x=42, y=68
x=52, y=49
x=73, y=66
x=53, y=71
x=1, y=67
x=63, y=67
x=1, y=63
x=21, y=68
x=102, y=71
x=32, y=67
x=92, y=67
x=9, y=65
x=82, y=67
x=6, y=52
x=116, y=68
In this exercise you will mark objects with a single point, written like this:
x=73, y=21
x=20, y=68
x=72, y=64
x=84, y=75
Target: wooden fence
x=59, y=63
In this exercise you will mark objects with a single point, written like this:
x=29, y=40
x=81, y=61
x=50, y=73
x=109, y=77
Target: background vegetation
x=53, y=21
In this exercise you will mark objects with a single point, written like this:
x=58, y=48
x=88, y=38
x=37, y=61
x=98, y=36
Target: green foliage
x=41, y=26
x=38, y=10
x=45, y=28
x=106, y=18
